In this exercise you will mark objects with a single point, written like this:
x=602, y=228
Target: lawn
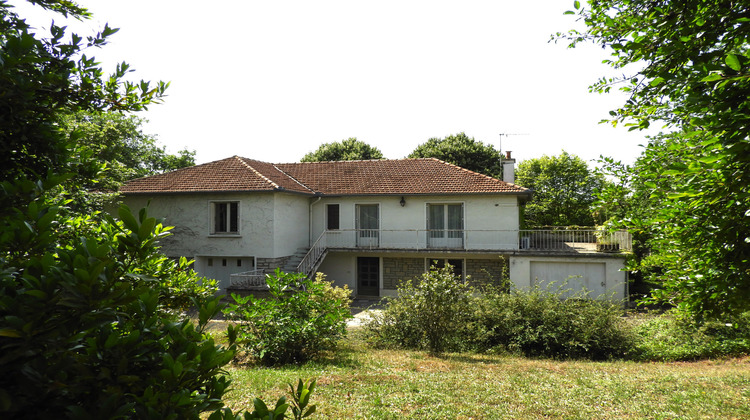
x=358, y=382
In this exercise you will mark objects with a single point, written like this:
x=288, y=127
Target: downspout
x=310, y=227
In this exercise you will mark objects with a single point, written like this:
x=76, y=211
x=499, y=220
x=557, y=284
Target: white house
x=366, y=224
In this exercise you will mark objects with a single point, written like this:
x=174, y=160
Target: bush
x=541, y=323
x=672, y=337
x=83, y=328
x=441, y=313
x=431, y=314
x=300, y=319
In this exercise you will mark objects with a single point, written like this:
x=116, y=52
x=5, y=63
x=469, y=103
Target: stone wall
x=397, y=269
x=268, y=265
x=479, y=271
x=485, y=271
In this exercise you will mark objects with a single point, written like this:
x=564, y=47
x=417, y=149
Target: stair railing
x=313, y=256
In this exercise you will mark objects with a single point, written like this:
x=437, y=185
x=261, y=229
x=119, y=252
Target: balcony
x=561, y=240
x=554, y=240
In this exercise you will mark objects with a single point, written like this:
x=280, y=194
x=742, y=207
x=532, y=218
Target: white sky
x=273, y=80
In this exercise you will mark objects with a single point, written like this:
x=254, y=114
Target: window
x=457, y=264
x=445, y=224
x=332, y=217
x=226, y=217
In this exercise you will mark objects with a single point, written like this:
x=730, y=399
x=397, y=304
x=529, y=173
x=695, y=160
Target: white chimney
x=509, y=172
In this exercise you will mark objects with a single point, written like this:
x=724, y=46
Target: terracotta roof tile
x=363, y=177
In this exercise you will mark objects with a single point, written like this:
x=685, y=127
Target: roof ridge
x=473, y=172
x=242, y=161
x=335, y=161
x=293, y=178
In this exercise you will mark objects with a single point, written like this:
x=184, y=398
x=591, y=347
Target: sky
x=273, y=80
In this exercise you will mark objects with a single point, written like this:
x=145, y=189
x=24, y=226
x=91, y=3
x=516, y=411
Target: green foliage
x=692, y=60
x=117, y=140
x=85, y=330
x=42, y=79
x=432, y=313
x=541, y=323
x=441, y=313
x=462, y=150
x=671, y=337
x=564, y=188
x=349, y=149
x=300, y=406
x=107, y=149
x=300, y=318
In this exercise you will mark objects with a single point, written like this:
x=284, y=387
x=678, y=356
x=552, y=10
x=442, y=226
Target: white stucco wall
x=341, y=269
x=481, y=213
x=272, y=225
x=602, y=276
x=291, y=225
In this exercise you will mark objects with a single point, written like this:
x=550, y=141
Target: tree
x=349, y=149
x=87, y=322
x=691, y=61
x=462, y=150
x=43, y=79
x=115, y=140
x=564, y=188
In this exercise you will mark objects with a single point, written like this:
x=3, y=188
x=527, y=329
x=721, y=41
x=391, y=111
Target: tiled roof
x=360, y=177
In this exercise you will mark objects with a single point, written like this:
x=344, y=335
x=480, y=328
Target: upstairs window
x=225, y=217
x=332, y=217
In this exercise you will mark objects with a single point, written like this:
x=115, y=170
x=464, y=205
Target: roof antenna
x=509, y=134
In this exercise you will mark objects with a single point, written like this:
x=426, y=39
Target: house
x=365, y=224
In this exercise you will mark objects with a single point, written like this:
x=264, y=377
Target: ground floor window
x=457, y=264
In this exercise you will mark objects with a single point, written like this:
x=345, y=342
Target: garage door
x=570, y=277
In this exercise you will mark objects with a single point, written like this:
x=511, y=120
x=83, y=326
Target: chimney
x=509, y=173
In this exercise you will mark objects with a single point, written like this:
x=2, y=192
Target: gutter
x=310, y=222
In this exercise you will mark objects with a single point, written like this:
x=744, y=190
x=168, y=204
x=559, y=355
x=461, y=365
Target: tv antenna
x=509, y=134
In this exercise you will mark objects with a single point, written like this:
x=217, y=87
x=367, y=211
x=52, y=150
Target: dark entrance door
x=368, y=276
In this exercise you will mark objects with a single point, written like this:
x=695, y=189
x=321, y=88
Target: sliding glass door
x=368, y=225
x=445, y=225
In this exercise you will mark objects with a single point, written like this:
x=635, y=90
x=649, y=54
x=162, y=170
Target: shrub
x=431, y=314
x=83, y=330
x=440, y=313
x=300, y=319
x=673, y=337
x=541, y=323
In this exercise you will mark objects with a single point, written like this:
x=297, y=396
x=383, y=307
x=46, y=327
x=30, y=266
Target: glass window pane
x=436, y=220
x=234, y=215
x=333, y=217
x=455, y=220
x=220, y=217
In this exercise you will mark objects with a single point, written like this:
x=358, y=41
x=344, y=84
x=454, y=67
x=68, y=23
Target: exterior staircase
x=293, y=262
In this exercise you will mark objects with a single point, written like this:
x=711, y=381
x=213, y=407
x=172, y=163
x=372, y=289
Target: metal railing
x=248, y=279
x=551, y=240
x=493, y=240
x=313, y=256
x=575, y=240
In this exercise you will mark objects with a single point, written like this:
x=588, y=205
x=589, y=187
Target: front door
x=368, y=276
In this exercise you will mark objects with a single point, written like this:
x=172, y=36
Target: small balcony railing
x=254, y=279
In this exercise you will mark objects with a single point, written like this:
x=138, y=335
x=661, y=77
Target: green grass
x=359, y=382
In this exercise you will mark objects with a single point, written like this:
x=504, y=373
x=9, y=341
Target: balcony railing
x=574, y=240
x=494, y=240
x=545, y=240
x=255, y=279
